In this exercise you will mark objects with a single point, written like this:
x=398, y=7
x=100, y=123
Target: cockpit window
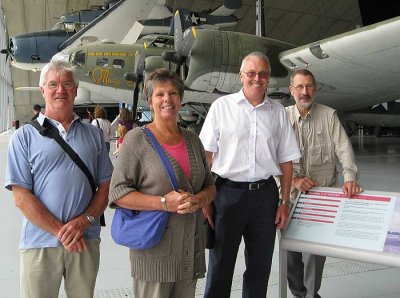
x=102, y=62
x=80, y=58
x=118, y=63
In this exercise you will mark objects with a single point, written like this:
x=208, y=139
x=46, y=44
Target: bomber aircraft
x=31, y=51
x=352, y=72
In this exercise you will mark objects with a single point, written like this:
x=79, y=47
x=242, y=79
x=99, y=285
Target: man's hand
x=282, y=216
x=71, y=233
x=303, y=183
x=79, y=246
x=350, y=188
x=208, y=212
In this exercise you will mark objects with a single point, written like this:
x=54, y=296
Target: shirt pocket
x=321, y=155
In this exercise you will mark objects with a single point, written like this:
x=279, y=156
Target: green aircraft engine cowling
x=215, y=59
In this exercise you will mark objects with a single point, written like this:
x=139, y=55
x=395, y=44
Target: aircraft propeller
x=7, y=52
x=183, y=43
x=137, y=77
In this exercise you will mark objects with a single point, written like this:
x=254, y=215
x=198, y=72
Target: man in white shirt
x=248, y=139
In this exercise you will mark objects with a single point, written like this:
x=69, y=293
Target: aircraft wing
x=114, y=24
x=356, y=69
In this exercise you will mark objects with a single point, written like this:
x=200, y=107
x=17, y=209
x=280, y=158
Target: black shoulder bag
x=48, y=130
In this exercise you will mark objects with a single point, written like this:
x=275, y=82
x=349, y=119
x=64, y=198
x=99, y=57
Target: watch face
x=89, y=217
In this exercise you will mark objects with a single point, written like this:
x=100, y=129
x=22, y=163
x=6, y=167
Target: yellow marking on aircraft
x=95, y=54
x=115, y=54
x=101, y=76
x=194, y=32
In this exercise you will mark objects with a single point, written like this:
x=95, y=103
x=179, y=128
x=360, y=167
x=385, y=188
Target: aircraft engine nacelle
x=31, y=51
x=152, y=63
x=216, y=56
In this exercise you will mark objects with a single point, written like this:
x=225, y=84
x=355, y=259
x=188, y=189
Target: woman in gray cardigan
x=140, y=182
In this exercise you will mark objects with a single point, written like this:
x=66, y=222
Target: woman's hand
x=189, y=203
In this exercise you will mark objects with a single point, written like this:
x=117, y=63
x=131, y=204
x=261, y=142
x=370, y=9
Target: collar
x=41, y=118
x=309, y=113
x=239, y=97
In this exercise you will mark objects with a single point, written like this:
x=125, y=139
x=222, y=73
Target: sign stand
x=324, y=222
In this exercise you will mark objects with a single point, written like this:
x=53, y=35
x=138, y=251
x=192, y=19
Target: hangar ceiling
x=294, y=21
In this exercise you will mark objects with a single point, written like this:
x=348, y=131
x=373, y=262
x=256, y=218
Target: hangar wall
x=7, y=109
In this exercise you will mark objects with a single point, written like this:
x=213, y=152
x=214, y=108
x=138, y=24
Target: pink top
x=119, y=141
x=179, y=152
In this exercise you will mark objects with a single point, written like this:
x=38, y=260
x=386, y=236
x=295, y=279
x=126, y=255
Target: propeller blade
x=189, y=37
x=135, y=100
x=183, y=43
x=139, y=63
x=138, y=69
x=6, y=52
x=178, y=35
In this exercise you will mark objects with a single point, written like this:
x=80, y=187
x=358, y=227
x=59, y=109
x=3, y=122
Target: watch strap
x=285, y=202
x=164, y=203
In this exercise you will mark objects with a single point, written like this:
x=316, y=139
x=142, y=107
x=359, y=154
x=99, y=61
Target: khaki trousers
x=41, y=271
x=180, y=289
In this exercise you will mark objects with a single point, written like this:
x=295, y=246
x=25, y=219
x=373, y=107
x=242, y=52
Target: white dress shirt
x=248, y=142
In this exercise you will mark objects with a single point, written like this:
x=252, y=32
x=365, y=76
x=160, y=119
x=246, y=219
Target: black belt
x=247, y=185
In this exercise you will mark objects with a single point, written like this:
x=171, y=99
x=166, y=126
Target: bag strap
x=98, y=124
x=164, y=159
x=48, y=130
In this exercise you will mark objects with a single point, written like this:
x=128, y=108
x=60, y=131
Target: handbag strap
x=98, y=124
x=48, y=130
x=164, y=159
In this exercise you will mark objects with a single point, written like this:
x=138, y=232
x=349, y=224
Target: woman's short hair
x=162, y=75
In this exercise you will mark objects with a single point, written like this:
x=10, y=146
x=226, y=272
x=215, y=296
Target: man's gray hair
x=58, y=66
x=304, y=72
x=259, y=55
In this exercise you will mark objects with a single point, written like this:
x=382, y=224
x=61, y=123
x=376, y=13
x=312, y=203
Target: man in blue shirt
x=61, y=227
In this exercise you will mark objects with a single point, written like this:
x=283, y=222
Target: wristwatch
x=164, y=203
x=285, y=202
x=89, y=217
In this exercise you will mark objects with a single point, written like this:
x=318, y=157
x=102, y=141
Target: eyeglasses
x=261, y=74
x=301, y=87
x=65, y=85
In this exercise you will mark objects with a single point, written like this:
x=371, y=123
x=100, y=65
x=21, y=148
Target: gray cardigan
x=181, y=253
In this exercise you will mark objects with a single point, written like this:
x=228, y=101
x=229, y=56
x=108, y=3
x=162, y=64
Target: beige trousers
x=180, y=289
x=41, y=271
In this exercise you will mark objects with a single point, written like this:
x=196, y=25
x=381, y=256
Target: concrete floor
x=378, y=160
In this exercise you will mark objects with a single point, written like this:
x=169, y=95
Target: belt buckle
x=254, y=186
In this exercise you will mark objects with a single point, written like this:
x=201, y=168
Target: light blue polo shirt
x=39, y=163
